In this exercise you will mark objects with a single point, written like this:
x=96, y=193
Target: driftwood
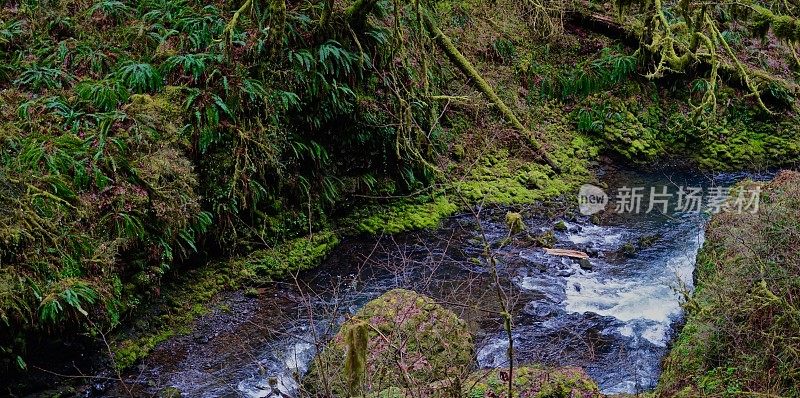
x=566, y=253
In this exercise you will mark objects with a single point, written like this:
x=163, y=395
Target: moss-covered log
x=466, y=67
x=728, y=69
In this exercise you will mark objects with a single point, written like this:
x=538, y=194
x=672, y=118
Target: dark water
x=615, y=320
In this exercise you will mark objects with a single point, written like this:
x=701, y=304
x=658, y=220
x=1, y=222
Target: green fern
x=113, y=9
x=75, y=294
x=10, y=31
x=140, y=77
x=89, y=56
x=37, y=78
x=202, y=28
x=166, y=12
x=104, y=95
x=193, y=65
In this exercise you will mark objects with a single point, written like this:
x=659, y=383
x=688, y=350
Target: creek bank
x=615, y=320
x=742, y=321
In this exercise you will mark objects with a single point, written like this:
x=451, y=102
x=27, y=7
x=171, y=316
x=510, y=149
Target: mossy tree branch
x=455, y=56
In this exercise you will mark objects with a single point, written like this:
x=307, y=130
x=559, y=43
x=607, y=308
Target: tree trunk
x=358, y=12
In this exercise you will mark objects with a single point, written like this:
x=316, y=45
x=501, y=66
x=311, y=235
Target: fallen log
x=611, y=27
x=463, y=64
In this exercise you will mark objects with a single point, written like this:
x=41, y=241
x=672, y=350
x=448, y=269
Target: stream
x=615, y=317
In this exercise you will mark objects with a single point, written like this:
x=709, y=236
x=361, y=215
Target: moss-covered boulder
x=401, y=339
x=532, y=382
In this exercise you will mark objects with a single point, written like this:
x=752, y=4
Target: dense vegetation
x=137, y=135
x=135, y=132
x=743, y=320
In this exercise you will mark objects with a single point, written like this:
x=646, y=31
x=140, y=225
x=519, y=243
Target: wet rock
x=538, y=309
x=532, y=381
x=566, y=272
x=398, y=339
x=628, y=250
x=201, y=338
x=560, y=226
x=585, y=264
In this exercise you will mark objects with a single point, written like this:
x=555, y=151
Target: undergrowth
x=742, y=320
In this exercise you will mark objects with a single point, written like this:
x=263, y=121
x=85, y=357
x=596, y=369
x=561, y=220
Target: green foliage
x=742, y=318
x=10, y=31
x=505, y=49
x=37, y=78
x=590, y=76
x=73, y=294
x=193, y=65
x=113, y=9
x=104, y=95
x=140, y=77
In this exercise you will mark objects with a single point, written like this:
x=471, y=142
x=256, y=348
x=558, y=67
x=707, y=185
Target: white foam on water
x=657, y=334
x=595, y=233
x=493, y=354
x=647, y=304
x=626, y=330
x=298, y=357
x=624, y=300
x=259, y=387
x=624, y=387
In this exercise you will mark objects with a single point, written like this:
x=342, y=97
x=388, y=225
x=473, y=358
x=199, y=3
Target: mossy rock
x=412, y=342
x=533, y=382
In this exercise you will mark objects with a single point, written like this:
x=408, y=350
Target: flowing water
x=616, y=319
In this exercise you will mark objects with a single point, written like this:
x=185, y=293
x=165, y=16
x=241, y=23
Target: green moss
x=545, y=239
x=189, y=296
x=408, y=335
x=128, y=352
x=532, y=381
x=514, y=222
x=626, y=129
x=288, y=258
x=404, y=216
x=498, y=179
x=736, y=145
